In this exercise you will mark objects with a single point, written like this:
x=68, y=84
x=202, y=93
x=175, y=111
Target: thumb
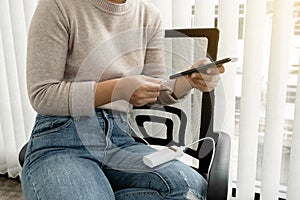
x=201, y=61
x=153, y=80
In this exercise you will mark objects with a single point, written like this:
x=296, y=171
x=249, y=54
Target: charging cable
x=170, y=153
x=213, y=148
x=132, y=128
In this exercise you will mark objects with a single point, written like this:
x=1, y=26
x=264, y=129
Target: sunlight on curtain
x=226, y=89
x=204, y=13
x=181, y=13
x=16, y=114
x=293, y=192
x=276, y=97
x=20, y=38
x=250, y=103
x=225, y=92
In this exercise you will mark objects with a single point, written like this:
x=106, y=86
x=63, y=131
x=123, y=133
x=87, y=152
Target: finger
x=202, y=88
x=216, y=70
x=205, y=88
x=150, y=94
x=200, y=83
x=205, y=77
x=208, y=89
x=143, y=101
x=211, y=78
x=212, y=84
x=195, y=75
x=205, y=84
x=150, y=100
x=152, y=87
x=201, y=61
x=153, y=80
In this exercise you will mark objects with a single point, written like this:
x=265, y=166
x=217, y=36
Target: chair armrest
x=219, y=172
x=22, y=154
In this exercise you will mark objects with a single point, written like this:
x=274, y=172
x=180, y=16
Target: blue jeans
x=96, y=158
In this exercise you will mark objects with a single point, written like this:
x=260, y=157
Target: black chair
x=218, y=174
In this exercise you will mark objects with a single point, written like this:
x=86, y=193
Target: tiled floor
x=10, y=189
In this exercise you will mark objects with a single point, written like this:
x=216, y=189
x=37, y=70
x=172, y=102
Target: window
x=297, y=18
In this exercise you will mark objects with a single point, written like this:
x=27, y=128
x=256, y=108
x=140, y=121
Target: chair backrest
x=212, y=36
x=207, y=107
x=216, y=170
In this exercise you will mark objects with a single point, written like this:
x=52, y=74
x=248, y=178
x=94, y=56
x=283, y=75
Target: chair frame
x=218, y=176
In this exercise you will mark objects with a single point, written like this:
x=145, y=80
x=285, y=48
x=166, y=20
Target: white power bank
x=162, y=156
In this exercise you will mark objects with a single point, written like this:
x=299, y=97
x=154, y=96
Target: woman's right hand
x=138, y=90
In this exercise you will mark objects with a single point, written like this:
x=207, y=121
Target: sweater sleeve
x=47, y=51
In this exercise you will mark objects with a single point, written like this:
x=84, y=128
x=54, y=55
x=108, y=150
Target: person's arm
x=47, y=51
x=137, y=90
x=104, y=92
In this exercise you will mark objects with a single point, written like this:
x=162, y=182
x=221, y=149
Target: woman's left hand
x=205, y=82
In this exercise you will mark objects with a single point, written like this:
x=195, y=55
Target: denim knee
x=181, y=181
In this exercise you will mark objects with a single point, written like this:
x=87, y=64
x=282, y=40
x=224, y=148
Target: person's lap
x=62, y=176
x=81, y=171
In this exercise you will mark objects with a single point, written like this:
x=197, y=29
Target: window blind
x=293, y=192
x=254, y=63
x=250, y=101
x=225, y=92
x=276, y=93
x=204, y=13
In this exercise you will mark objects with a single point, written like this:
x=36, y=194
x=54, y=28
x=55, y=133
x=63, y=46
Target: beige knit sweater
x=72, y=44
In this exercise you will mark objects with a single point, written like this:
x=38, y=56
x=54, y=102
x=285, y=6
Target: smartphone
x=203, y=68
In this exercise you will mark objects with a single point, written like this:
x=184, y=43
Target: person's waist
x=110, y=112
x=117, y=106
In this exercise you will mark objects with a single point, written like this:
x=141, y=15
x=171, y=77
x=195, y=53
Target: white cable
x=171, y=153
x=135, y=132
x=181, y=148
x=213, y=152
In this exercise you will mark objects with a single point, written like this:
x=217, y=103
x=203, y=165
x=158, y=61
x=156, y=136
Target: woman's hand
x=138, y=90
x=205, y=82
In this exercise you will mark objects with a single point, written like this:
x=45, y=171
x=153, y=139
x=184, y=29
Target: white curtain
x=16, y=115
x=252, y=83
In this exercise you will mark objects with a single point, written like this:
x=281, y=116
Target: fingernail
x=208, y=71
